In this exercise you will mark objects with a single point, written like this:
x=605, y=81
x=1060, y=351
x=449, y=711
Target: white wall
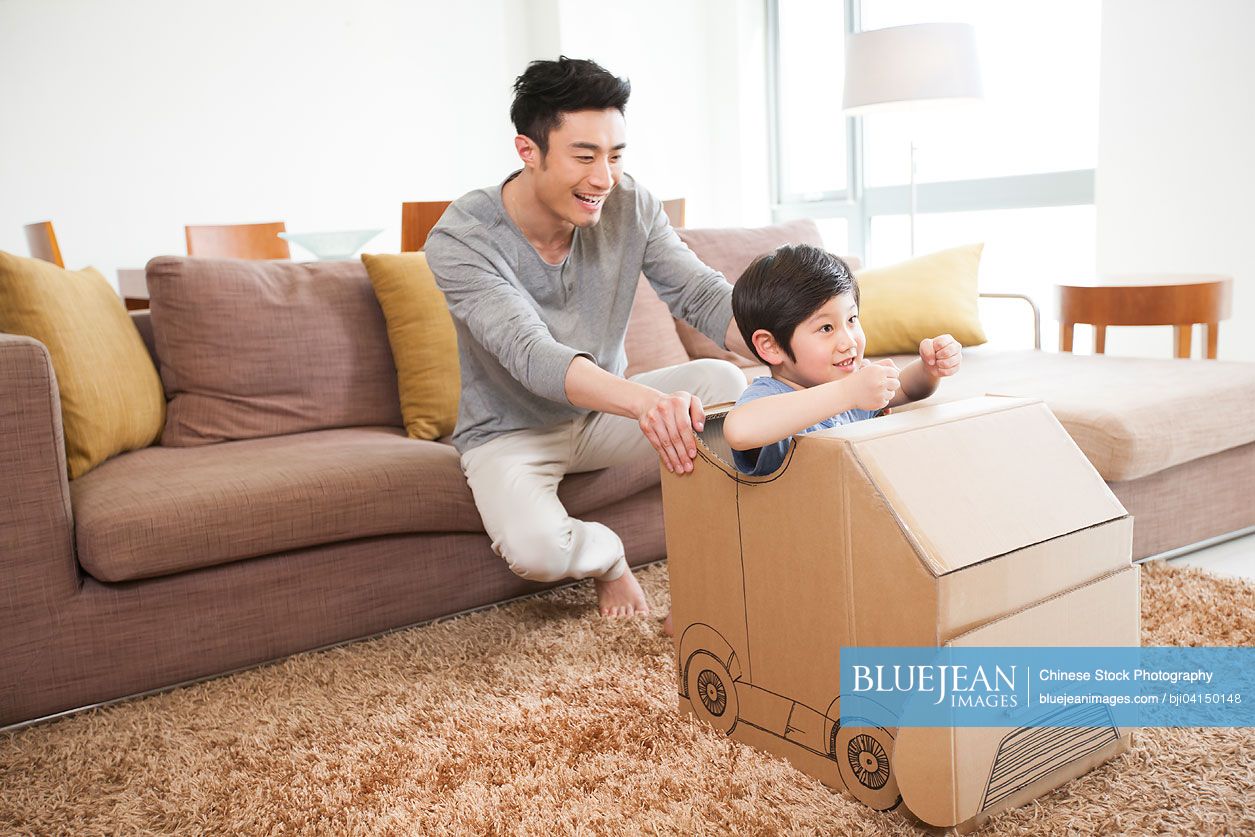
x=125, y=120
x=1176, y=162
x=697, y=122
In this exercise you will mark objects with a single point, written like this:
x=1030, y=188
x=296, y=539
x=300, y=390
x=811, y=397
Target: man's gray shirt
x=521, y=322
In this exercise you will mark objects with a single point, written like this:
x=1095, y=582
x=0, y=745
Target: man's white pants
x=515, y=477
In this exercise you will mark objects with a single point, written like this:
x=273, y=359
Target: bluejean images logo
x=956, y=685
x=984, y=687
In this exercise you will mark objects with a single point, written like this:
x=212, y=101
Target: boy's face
x=827, y=346
x=583, y=165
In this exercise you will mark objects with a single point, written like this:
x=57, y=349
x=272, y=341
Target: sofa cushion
x=165, y=510
x=111, y=399
x=730, y=251
x=423, y=340
x=902, y=304
x=1131, y=416
x=651, y=341
x=252, y=348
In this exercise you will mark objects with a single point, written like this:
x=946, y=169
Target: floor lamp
x=922, y=65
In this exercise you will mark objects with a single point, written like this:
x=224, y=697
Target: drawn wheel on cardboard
x=711, y=691
x=863, y=751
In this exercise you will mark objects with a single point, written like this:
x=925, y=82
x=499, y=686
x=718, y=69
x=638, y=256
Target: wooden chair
x=418, y=217
x=238, y=241
x=42, y=242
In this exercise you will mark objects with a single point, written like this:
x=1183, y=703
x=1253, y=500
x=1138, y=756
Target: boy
x=797, y=308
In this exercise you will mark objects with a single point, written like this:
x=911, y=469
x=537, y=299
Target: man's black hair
x=781, y=290
x=548, y=89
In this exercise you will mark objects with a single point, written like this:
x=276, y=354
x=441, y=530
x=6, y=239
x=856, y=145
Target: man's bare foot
x=621, y=597
x=667, y=628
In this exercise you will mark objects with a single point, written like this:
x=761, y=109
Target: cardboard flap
x=975, y=479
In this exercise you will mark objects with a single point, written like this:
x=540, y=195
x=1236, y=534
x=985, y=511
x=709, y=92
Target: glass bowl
x=326, y=246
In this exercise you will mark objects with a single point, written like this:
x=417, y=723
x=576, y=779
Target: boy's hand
x=941, y=356
x=874, y=385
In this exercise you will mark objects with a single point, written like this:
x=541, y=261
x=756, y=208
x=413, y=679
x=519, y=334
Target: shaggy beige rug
x=541, y=718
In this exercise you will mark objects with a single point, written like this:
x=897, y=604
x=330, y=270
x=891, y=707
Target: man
x=539, y=273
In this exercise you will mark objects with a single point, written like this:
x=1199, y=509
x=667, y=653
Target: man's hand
x=874, y=385
x=941, y=356
x=668, y=422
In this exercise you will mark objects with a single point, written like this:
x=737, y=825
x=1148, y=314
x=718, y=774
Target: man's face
x=583, y=165
x=828, y=345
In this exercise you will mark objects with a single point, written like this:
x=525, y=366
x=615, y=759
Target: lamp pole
x=913, y=206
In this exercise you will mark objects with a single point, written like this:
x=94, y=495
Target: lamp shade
x=913, y=66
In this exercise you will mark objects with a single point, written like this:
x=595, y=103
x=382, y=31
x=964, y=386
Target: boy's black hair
x=780, y=290
x=548, y=89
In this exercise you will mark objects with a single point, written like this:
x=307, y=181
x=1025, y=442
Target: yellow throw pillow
x=936, y=294
x=424, y=344
x=111, y=396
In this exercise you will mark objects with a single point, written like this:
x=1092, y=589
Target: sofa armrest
x=37, y=563
x=1031, y=304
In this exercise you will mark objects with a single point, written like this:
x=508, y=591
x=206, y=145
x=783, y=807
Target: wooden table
x=1178, y=301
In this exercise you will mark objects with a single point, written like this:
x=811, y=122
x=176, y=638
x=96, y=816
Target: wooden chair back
x=675, y=211
x=42, y=241
x=417, y=219
x=238, y=241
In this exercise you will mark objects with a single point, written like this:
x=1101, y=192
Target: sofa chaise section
x=1174, y=439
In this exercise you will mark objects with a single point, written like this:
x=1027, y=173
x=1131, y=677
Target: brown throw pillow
x=730, y=251
x=257, y=348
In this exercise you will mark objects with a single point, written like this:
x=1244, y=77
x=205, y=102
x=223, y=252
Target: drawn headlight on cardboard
x=973, y=523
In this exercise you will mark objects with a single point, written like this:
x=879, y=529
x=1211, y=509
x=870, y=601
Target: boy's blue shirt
x=768, y=458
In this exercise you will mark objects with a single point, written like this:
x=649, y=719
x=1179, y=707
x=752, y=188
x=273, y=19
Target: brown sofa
x=170, y=564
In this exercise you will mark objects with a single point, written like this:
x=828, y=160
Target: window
x=811, y=128
x=1040, y=113
x=1015, y=171
x=835, y=233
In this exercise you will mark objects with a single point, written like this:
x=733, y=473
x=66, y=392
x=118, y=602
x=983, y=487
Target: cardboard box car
x=977, y=522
